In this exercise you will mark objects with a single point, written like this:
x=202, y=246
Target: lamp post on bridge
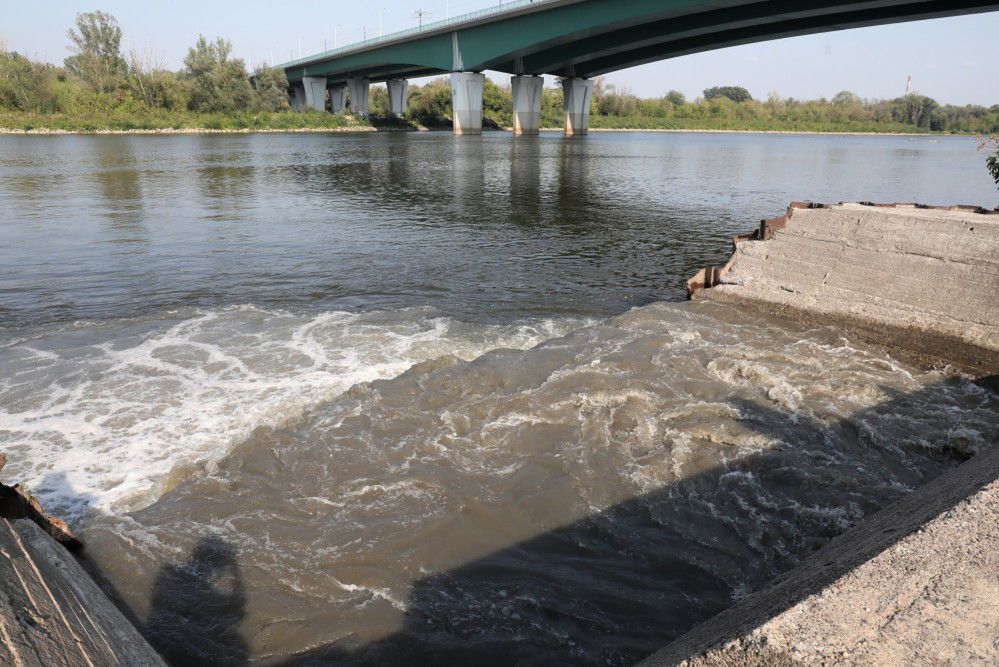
x=381, y=33
x=420, y=14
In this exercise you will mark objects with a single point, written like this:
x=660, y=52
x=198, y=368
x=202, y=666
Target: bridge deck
x=585, y=38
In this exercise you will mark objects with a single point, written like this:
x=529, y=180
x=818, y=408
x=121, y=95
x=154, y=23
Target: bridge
x=574, y=40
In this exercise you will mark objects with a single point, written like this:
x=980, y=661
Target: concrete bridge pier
x=297, y=97
x=315, y=92
x=466, y=101
x=577, y=93
x=359, y=96
x=397, y=89
x=338, y=98
x=527, y=104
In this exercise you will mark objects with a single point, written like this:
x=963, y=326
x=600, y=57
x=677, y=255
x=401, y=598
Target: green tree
x=430, y=104
x=96, y=47
x=992, y=161
x=845, y=98
x=25, y=85
x=156, y=87
x=271, y=87
x=552, y=109
x=676, y=98
x=734, y=93
x=219, y=83
x=378, y=101
x=497, y=104
x=167, y=90
x=913, y=109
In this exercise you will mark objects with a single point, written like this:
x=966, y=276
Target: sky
x=951, y=60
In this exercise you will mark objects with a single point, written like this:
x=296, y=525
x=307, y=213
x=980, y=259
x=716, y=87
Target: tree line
x=98, y=79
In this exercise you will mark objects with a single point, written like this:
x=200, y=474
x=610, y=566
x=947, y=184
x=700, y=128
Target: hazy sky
x=952, y=60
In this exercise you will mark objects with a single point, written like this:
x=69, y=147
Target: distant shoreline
x=364, y=129
x=802, y=132
x=41, y=131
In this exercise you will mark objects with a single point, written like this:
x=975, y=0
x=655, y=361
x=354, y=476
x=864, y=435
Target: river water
x=401, y=398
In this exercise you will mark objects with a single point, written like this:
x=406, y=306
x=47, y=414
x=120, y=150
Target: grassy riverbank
x=753, y=125
x=178, y=120
x=165, y=121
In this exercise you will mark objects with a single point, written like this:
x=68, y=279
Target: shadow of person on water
x=197, y=606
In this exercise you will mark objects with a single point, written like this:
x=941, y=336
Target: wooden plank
x=52, y=612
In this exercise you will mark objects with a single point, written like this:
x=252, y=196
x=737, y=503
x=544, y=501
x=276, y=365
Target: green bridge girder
x=585, y=38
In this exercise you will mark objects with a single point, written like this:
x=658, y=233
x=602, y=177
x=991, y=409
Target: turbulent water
x=397, y=399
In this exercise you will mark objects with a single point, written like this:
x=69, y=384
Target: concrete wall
x=917, y=279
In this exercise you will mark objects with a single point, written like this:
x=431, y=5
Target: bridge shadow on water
x=618, y=584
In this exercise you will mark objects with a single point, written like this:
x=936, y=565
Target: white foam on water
x=99, y=415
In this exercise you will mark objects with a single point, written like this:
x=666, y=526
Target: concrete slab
x=920, y=279
x=52, y=612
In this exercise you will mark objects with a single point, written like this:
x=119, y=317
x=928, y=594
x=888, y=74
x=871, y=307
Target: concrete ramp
x=913, y=278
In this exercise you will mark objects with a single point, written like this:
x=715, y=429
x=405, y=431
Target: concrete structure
x=52, y=612
x=315, y=92
x=466, y=101
x=359, y=99
x=397, y=90
x=914, y=584
x=527, y=92
x=924, y=279
x=338, y=98
x=298, y=97
x=582, y=39
x=576, y=95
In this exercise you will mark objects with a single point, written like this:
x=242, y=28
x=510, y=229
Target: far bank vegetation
x=98, y=87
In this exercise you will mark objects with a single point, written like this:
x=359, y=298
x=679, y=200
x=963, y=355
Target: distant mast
x=908, y=86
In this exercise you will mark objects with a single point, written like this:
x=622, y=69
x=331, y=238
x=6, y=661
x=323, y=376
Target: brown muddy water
x=418, y=400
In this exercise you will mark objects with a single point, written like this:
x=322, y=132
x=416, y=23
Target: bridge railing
x=454, y=21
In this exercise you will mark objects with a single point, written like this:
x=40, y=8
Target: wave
x=629, y=477
x=110, y=414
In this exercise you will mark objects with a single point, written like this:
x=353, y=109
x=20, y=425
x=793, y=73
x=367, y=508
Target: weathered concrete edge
x=116, y=637
x=17, y=502
x=98, y=623
x=841, y=555
x=921, y=346
x=710, y=276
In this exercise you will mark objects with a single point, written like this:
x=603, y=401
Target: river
x=393, y=398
